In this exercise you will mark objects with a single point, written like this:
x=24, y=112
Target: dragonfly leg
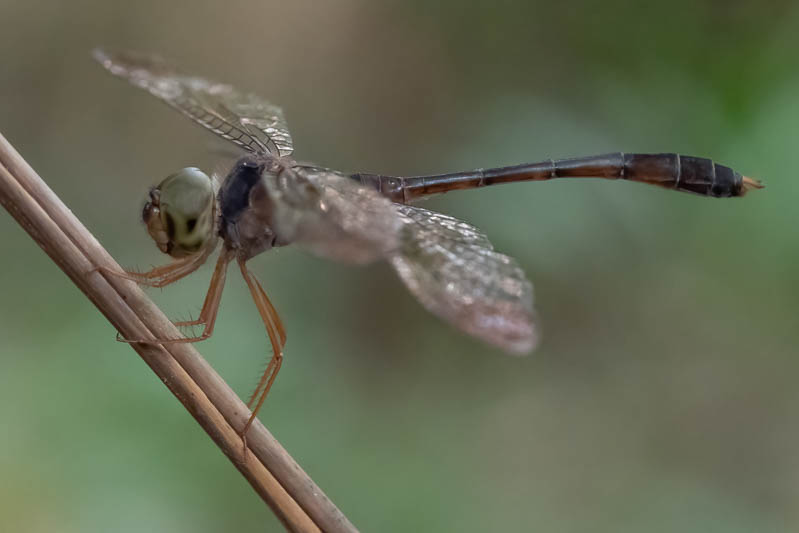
x=209, y=311
x=277, y=338
x=163, y=275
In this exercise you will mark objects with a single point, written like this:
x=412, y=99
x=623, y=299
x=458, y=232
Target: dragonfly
x=269, y=199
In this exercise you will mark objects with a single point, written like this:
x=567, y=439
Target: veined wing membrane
x=453, y=270
x=244, y=119
x=332, y=215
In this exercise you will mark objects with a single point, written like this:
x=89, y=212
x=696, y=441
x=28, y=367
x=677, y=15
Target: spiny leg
x=278, y=329
x=278, y=323
x=271, y=319
x=212, y=297
x=276, y=335
x=277, y=338
x=164, y=275
x=210, y=308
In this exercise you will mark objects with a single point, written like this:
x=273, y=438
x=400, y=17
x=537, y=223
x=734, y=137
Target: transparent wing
x=455, y=273
x=244, y=119
x=332, y=215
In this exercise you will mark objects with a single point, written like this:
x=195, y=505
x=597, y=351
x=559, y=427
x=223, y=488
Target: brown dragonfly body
x=673, y=171
x=268, y=200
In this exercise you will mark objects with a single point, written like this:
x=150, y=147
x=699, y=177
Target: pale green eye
x=180, y=214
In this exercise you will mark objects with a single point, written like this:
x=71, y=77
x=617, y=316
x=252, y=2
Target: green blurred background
x=663, y=397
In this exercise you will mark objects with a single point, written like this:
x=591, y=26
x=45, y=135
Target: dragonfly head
x=179, y=213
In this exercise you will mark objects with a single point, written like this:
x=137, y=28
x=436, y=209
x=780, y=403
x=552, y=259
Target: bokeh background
x=663, y=397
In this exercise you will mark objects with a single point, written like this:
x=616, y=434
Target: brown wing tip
x=750, y=184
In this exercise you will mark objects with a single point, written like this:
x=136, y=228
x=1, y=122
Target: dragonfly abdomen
x=697, y=175
x=683, y=173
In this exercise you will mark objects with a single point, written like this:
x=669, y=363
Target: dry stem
x=271, y=471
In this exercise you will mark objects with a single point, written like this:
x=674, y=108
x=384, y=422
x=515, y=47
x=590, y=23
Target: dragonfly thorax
x=179, y=213
x=245, y=210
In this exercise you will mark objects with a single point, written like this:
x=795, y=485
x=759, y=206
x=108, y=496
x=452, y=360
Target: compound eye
x=170, y=225
x=186, y=200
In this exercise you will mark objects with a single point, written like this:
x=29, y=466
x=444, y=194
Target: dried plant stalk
x=275, y=476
